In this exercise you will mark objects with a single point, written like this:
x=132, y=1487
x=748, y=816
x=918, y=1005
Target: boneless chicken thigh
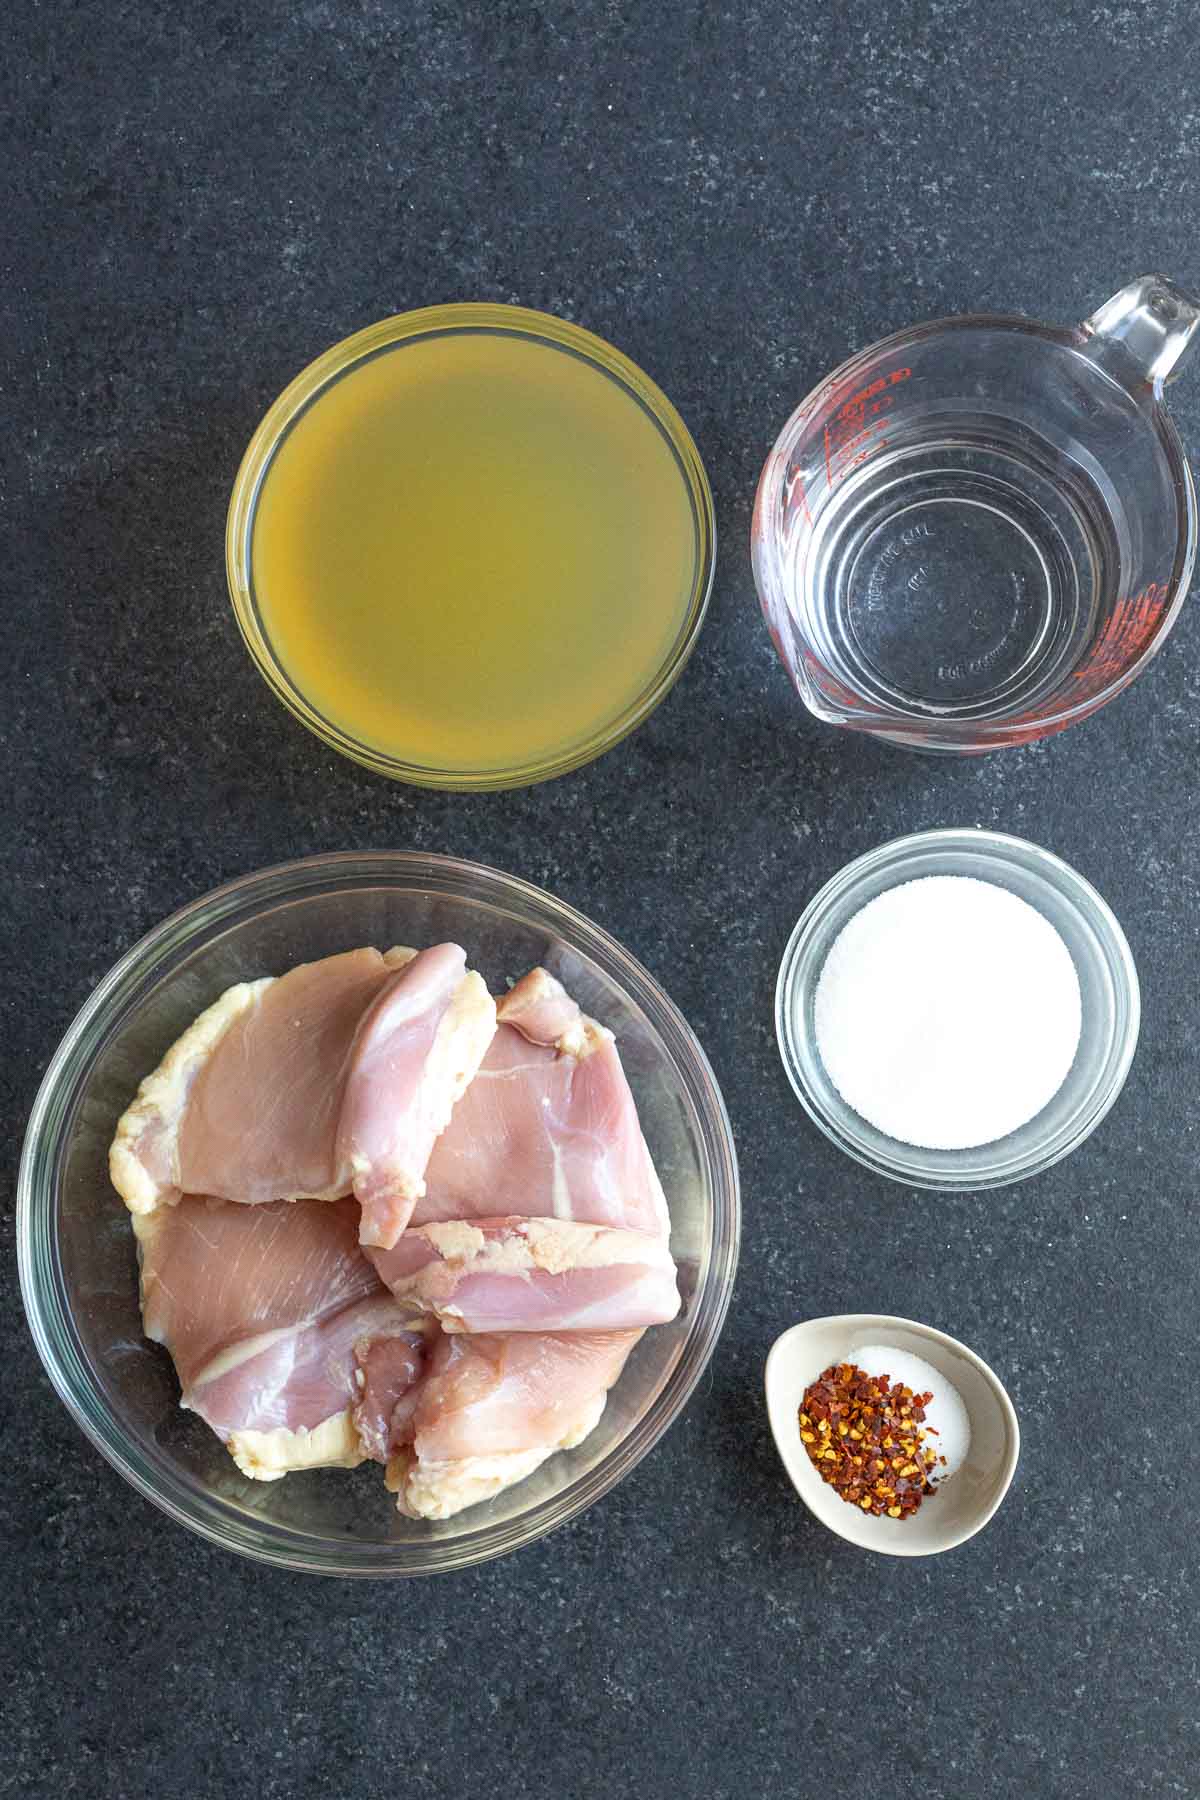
x=417, y=1047
x=548, y=1128
x=490, y=1410
x=245, y=1105
x=492, y=1275
x=261, y=1308
x=379, y=1216
x=336, y=1077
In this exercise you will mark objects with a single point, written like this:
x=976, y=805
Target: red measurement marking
x=795, y=493
x=1127, y=633
x=854, y=431
x=857, y=461
x=857, y=402
x=1026, y=734
x=831, y=688
x=857, y=437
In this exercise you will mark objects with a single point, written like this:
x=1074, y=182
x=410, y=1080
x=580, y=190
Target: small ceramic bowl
x=1108, y=991
x=967, y=1500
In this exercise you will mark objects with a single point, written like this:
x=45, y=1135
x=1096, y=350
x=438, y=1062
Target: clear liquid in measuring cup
x=962, y=569
x=977, y=531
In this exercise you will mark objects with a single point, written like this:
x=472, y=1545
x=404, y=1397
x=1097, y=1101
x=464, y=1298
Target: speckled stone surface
x=201, y=198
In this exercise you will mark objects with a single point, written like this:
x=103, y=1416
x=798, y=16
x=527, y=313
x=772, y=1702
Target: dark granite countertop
x=199, y=199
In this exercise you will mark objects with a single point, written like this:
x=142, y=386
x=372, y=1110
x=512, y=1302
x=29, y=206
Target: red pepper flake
x=866, y=1436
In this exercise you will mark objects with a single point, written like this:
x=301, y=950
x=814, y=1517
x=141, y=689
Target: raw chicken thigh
x=548, y=1128
x=336, y=1077
x=532, y=1275
x=490, y=1410
x=245, y=1105
x=416, y=1049
x=379, y=1216
x=261, y=1308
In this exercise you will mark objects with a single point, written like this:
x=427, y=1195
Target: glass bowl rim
x=43, y=1288
x=407, y=327
x=842, y=1128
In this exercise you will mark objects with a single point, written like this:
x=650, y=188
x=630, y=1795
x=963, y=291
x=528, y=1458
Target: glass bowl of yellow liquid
x=471, y=546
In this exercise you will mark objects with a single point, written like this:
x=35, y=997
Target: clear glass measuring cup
x=979, y=530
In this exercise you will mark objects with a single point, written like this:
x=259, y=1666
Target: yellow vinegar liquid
x=474, y=552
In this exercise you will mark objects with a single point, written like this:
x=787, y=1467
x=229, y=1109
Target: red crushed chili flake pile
x=868, y=1439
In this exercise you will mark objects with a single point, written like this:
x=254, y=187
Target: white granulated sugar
x=946, y=1416
x=947, y=1012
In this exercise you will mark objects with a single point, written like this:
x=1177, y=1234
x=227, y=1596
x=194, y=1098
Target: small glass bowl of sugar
x=957, y=1009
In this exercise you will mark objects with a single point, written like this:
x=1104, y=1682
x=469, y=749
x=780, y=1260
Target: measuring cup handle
x=1153, y=320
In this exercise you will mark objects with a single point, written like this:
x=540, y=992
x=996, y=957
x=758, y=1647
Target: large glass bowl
x=78, y=1270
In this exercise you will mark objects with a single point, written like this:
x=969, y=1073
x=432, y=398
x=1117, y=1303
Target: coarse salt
x=948, y=1012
